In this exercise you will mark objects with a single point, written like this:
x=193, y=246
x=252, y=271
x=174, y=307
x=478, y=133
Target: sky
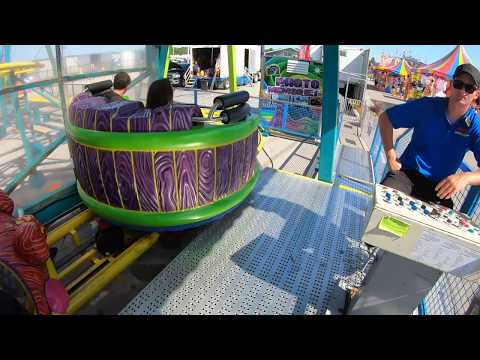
x=425, y=53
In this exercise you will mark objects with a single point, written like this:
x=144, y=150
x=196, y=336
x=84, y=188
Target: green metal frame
x=34, y=161
x=100, y=73
x=3, y=110
x=163, y=61
x=232, y=68
x=10, y=89
x=139, y=79
x=39, y=91
x=194, y=139
x=20, y=123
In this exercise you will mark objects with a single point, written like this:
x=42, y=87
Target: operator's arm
x=386, y=132
x=452, y=184
x=407, y=115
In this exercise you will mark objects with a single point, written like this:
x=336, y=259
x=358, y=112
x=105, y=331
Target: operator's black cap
x=470, y=70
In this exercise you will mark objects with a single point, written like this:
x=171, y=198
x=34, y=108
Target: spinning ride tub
x=154, y=169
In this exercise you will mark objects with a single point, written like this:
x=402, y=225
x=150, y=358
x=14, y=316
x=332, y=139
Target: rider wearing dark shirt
x=120, y=86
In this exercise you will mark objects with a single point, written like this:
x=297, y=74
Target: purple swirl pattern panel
x=115, y=110
x=182, y=117
x=160, y=119
x=89, y=121
x=224, y=160
x=139, y=122
x=187, y=179
x=77, y=117
x=83, y=111
x=120, y=124
x=81, y=168
x=145, y=182
x=253, y=160
x=247, y=159
x=94, y=171
x=165, y=180
x=123, y=163
x=102, y=122
x=206, y=176
x=72, y=113
x=108, y=173
x=238, y=160
x=71, y=149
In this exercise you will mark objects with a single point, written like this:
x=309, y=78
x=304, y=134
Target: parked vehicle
x=213, y=60
x=176, y=72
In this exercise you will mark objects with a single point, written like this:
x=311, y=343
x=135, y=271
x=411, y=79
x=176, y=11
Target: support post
x=151, y=53
x=163, y=61
x=4, y=121
x=262, y=69
x=61, y=83
x=329, y=114
x=6, y=53
x=52, y=58
x=232, y=68
x=346, y=91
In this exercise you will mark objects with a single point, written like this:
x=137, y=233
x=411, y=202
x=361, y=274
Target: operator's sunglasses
x=460, y=85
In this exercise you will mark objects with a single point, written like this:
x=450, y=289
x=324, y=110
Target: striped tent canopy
x=445, y=67
x=392, y=63
x=400, y=69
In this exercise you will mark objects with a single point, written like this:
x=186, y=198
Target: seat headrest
x=229, y=100
x=98, y=87
x=236, y=114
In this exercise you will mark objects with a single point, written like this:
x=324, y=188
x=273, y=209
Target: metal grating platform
x=285, y=251
x=289, y=155
x=355, y=163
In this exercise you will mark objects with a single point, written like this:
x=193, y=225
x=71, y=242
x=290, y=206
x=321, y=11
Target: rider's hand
x=452, y=184
x=393, y=163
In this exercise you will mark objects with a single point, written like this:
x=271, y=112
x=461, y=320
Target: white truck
x=353, y=67
x=211, y=61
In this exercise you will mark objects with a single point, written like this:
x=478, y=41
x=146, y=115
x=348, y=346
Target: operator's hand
x=393, y=163
x=452, y=184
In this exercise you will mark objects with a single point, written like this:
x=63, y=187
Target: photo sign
x=292, y=96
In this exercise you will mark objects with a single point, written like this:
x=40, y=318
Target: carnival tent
x=445, y=67
x=400, y=69
x=391, y=64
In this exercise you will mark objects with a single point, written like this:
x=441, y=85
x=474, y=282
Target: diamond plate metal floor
x=354, y=162
x=285, y=251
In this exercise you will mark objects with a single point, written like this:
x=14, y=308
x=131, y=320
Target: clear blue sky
x=425, y=53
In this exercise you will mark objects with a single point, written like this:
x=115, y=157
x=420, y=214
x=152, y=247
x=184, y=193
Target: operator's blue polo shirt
x=437, y=148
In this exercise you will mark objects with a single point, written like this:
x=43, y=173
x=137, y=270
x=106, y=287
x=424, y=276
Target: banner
x=292, y=96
